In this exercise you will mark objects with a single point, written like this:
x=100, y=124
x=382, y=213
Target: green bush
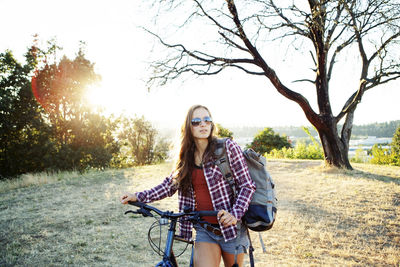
x=267, y=140
x=161, y=150
x=383, y=156
x=360, y=156
x=387, y=156
x=379, y=155
x=223, y=132
x=396, y=146
x=139, y=144
x=300, y=151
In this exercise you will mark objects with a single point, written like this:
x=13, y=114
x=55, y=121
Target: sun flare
x=117, y=99
x=96, y=96
x=101, y=96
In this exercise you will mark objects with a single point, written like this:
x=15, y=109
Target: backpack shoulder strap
x=222, y=162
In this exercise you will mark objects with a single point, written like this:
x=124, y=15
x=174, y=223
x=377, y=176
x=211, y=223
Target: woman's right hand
x=126, y=197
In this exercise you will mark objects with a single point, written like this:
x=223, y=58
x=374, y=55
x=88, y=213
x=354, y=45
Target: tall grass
x=30, y=179
x=300, y=151
x=326, y=217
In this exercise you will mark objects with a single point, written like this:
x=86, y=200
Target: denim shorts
x=202, y=235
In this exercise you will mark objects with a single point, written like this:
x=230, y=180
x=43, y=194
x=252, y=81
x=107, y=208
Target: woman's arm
x=243, y=181
x=166, y=189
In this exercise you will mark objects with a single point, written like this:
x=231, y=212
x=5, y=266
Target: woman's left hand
x=226, y=219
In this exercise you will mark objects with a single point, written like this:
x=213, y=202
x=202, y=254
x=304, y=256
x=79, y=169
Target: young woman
x=201, y=186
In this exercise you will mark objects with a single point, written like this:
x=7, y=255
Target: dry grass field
x=326, y=217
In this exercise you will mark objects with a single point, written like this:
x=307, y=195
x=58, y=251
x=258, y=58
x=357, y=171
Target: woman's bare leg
x=206, y=254
x=229, y=259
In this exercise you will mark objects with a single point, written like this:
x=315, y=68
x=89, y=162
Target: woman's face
x=201, y=124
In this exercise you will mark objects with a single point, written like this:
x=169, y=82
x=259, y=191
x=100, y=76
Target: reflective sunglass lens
x=197, y=121
x=207, y=119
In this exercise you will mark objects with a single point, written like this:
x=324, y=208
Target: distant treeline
x=384, y=129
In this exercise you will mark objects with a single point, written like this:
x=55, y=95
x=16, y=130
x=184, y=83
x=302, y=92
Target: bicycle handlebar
x=145, y=210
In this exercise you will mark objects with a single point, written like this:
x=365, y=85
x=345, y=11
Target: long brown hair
x=185, y=162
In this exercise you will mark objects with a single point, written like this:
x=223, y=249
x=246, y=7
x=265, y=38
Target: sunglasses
x=197, y=121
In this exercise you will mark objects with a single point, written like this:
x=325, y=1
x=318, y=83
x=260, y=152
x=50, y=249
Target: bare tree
x=369, y=29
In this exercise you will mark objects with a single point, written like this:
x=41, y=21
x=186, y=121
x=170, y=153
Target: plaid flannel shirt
x=220, y=191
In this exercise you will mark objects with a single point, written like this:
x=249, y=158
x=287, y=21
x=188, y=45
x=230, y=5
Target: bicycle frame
x=169, y=259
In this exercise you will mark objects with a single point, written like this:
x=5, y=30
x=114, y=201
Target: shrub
x=388, y=156
x=139, y=146
x=360, y=156
x=396, y=141
x=223, y=132
x=382, y=156
x=267, y=140
x=396, y=146
x=161, y=150
x=300, y=151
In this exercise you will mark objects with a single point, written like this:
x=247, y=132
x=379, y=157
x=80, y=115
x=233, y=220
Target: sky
x=121, y=50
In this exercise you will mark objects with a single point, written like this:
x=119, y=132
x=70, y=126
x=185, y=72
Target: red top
x=202, y=194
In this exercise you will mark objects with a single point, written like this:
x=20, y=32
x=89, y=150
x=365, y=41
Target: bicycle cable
x=157, y=248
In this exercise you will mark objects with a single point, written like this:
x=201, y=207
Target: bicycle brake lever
x=193, y=218
x=145, y=213
x=131, y=211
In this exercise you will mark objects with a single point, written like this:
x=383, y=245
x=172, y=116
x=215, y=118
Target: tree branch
x=377, y=80
x=353, y=101
x=289, y=23
x=214, y=20
x=357, y=35
x=269, y=72
x=339, y=10
x=304, y=80
x=333, y=58
x=233, y=43
x=383, y=46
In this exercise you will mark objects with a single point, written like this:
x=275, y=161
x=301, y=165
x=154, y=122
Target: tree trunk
x=335, y=148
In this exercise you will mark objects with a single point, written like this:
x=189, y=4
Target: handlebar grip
x=208, y=213
x=136, y=203
x=143, y=208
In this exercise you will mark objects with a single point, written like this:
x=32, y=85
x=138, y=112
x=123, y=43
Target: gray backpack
x=261, y=213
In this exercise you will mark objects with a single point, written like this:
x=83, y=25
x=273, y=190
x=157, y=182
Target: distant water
x=370, y=141
x=364, y=143
x=243, y=141
x=367, y=143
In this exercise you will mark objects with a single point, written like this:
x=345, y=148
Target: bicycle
x=169, y=259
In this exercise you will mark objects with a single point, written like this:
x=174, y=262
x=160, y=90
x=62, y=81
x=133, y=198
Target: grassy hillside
x=326, y=217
